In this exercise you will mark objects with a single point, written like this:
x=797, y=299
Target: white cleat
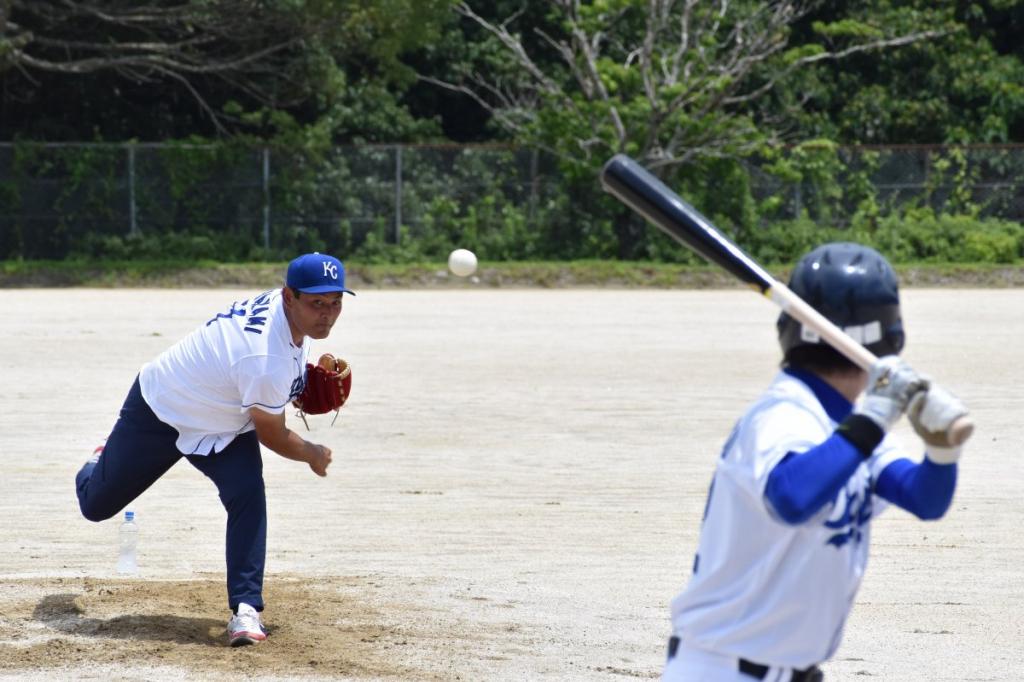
x=245, y=627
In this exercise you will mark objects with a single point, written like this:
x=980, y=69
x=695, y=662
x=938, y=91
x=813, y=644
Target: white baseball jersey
x=762, y=589
x=205, y=384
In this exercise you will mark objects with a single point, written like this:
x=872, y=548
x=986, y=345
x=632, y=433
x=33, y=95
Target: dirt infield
x=516, y=492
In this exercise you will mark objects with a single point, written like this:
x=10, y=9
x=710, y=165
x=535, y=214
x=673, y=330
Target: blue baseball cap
x=317, y=273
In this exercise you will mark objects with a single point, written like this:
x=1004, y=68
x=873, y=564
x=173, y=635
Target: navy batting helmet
x=854, y=287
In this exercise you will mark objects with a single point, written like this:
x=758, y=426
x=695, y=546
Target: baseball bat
x=636, y=187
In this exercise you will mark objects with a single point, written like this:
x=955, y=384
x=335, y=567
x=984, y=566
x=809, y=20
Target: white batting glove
x=932, y=413
x=891, y=385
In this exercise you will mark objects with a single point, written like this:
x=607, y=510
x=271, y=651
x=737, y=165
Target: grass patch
x=545, y=274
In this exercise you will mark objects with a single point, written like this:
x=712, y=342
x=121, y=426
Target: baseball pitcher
x=213, y=398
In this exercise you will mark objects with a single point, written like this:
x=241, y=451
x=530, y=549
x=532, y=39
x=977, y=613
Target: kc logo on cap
x=317, y=273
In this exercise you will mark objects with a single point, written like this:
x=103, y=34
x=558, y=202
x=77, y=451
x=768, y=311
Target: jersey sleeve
x=266, y=382
x=887, y=452
x=776, y=431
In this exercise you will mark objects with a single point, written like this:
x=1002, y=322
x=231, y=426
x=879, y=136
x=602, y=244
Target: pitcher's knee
x=96, y=512
x=94, y=507
x=86, y=503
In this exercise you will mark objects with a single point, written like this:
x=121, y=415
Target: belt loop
x=673, y=647
x=812, y=674
x=760, y=671
x=751, y=669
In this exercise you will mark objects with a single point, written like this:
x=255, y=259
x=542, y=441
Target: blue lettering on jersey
x=733, y=435
x=254, y=322
x=240, y=310
x=852, y=512
x=730, y=440
x=297, y=387
x=707, y=505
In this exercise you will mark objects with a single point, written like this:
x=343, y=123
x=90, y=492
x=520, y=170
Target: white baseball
x=462, y=262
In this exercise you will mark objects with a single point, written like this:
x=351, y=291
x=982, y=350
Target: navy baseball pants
x=141, y=449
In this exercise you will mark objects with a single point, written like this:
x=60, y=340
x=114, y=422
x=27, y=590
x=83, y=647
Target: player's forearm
x=925, y=490
x=803, y=483
x=288, y=444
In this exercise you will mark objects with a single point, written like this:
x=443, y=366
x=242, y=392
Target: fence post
x=133, y=223
x=266, y=198
x=928, y=176
x=398, y=193
x=534, y=182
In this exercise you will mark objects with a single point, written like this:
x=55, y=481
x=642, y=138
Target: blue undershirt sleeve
x=925, y=490
x=801, y=484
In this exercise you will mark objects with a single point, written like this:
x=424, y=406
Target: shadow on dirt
x=62, y=613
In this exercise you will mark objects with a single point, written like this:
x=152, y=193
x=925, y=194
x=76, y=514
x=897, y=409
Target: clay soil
x=516, y=492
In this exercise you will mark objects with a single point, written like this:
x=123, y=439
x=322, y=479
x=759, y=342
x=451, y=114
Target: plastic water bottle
x=129, y=537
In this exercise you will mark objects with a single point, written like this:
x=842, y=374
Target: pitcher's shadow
x=61, y=613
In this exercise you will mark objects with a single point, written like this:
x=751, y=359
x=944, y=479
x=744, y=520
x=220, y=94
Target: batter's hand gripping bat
x=632, y=184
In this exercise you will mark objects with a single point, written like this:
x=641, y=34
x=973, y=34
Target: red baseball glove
x=328, y=384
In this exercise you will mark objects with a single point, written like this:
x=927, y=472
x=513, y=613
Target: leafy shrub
x=992, y=247
x=786, y=241
x=919, y=235
x=173, y=245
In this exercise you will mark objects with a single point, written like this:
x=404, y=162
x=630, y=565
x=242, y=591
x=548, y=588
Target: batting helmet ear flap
x=856, y=289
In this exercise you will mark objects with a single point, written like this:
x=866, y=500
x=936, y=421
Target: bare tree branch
x=180, y=41
x=177, y=63
x=197, y=97
x=699, y=65
x=835, y=56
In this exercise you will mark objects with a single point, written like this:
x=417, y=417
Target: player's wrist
x=943, y=455
x=862, y=432
x=308, y=451
x=883, y=411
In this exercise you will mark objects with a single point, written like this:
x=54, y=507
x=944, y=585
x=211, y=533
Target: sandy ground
x=516, y=492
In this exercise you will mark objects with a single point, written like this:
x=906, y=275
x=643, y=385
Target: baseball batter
x=213, y=398
x=786, y=528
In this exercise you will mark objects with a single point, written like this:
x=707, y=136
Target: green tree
x=158, y=69
x=966, y=86
x=675, y=83
x=667, y=81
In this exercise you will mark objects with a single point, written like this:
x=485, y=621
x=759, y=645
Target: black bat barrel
x=636, y=187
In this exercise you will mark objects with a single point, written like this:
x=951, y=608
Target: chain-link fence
x=53, y=194
x=979, y=180
x=58, y=199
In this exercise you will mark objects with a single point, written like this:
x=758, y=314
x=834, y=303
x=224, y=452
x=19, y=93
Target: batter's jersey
x=205, y=384
x=762, y=589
